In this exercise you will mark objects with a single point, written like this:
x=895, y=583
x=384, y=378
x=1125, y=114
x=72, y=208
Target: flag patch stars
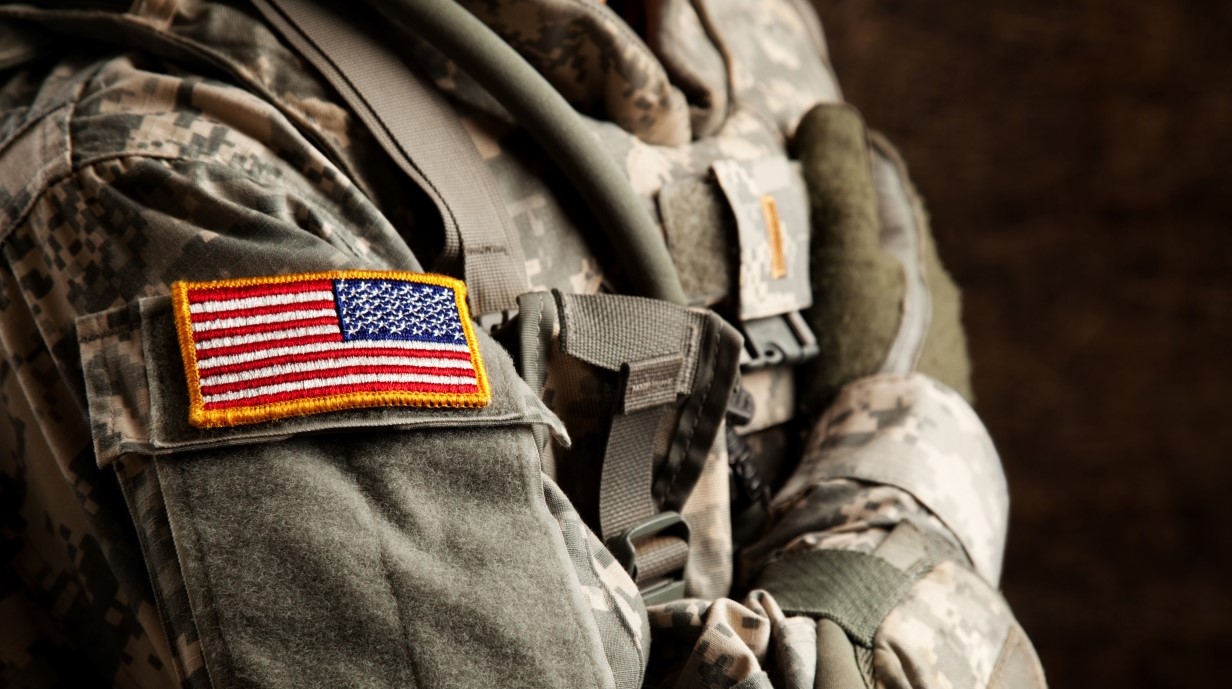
x=257, y=349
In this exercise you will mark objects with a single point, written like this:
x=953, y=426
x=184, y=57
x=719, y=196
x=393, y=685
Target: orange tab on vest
x=257, y=349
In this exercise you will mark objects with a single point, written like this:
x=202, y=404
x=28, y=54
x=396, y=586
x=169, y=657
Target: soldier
x=763, y=471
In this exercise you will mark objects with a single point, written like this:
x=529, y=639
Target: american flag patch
x=257, y=349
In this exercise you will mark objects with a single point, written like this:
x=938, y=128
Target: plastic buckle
x=777, y=340
x=491, y=322
x=667, y=523
x=741, y=408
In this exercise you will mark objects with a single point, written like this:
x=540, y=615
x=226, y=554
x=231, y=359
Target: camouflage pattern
x=766, y=87
x=747, y=185
x=950, y=630
x=614, y=600
x=917, y=435
x=121, y=172
x=774, y=397
x=146, y=505
x=920, y=643
x=708, y=512
x=595, y=61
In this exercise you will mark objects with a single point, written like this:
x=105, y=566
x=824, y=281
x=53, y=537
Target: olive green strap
x=837, y=667
x=423, y=134
x=538, y=107
x=855, y=590
x=645, y=342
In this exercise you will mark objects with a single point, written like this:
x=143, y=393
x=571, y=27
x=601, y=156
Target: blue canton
x=398, y=310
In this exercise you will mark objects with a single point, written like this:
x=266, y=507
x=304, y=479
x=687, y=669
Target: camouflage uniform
x=182, y=140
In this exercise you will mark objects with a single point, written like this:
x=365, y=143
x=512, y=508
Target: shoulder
x=87, y=112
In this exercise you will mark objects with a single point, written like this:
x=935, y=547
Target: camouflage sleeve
x=880, y=567
x=360, y=548
x=897, y=456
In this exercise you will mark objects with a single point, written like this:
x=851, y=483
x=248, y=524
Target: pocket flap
x=138, y=395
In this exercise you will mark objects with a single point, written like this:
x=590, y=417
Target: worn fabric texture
x=411, y=560
x=884, y=302
x=859, y=288
x=182, y=140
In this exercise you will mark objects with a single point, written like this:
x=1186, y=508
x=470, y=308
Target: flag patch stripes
x=257, y=349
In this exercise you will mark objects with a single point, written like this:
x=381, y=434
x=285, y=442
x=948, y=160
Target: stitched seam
x=609, y=595
x=675, y=471
x=540, y=507
x=143, y=536
x=536, y=328
x=209, y=587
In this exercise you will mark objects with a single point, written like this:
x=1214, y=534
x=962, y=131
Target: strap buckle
x=667, y=523
x=785, y=339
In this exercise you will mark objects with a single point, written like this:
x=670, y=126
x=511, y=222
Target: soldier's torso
x=201, y=116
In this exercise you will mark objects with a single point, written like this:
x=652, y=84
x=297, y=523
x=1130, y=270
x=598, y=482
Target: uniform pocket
x=389, y=546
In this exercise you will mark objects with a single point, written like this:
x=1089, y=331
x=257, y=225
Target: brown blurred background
x=1075, y=157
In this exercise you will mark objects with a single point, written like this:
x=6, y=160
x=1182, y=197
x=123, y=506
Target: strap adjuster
x=668, y=523
x=784, y=339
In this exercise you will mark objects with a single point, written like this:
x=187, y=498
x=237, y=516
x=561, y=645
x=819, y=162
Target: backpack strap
x=419, y=129
x=659, y=378
x=535, y=104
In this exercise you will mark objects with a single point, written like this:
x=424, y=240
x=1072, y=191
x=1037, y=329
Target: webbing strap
x=854, y=589
x=660, y=556
x=645, y=341
x=422, y=133
x=625, y=496
x=674, y=370
x=539, y=107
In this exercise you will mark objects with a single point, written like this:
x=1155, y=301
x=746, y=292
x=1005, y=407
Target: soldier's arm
x=396, y=546
x=894, y=524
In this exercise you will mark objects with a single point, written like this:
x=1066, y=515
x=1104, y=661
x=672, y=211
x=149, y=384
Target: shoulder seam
x=19, y=216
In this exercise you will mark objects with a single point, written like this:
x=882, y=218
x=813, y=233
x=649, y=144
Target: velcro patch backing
x=264, y=348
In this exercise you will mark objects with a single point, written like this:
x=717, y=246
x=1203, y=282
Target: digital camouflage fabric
x=183, y=140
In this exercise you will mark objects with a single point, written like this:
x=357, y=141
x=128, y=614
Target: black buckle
x=741, y=408
x=783, y=339
x=669, y=523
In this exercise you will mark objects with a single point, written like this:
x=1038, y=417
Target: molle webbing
x=667, y=374
x=658, y=351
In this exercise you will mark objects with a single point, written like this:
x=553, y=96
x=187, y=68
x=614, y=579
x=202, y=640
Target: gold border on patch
x=201, y=417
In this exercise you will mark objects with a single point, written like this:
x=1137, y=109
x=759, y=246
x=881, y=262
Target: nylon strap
x=643, y=340
x=418, y=128
x=854, y=589
x=660, y=556
x=542, y=110
x=625, y=496
x=659, y=352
